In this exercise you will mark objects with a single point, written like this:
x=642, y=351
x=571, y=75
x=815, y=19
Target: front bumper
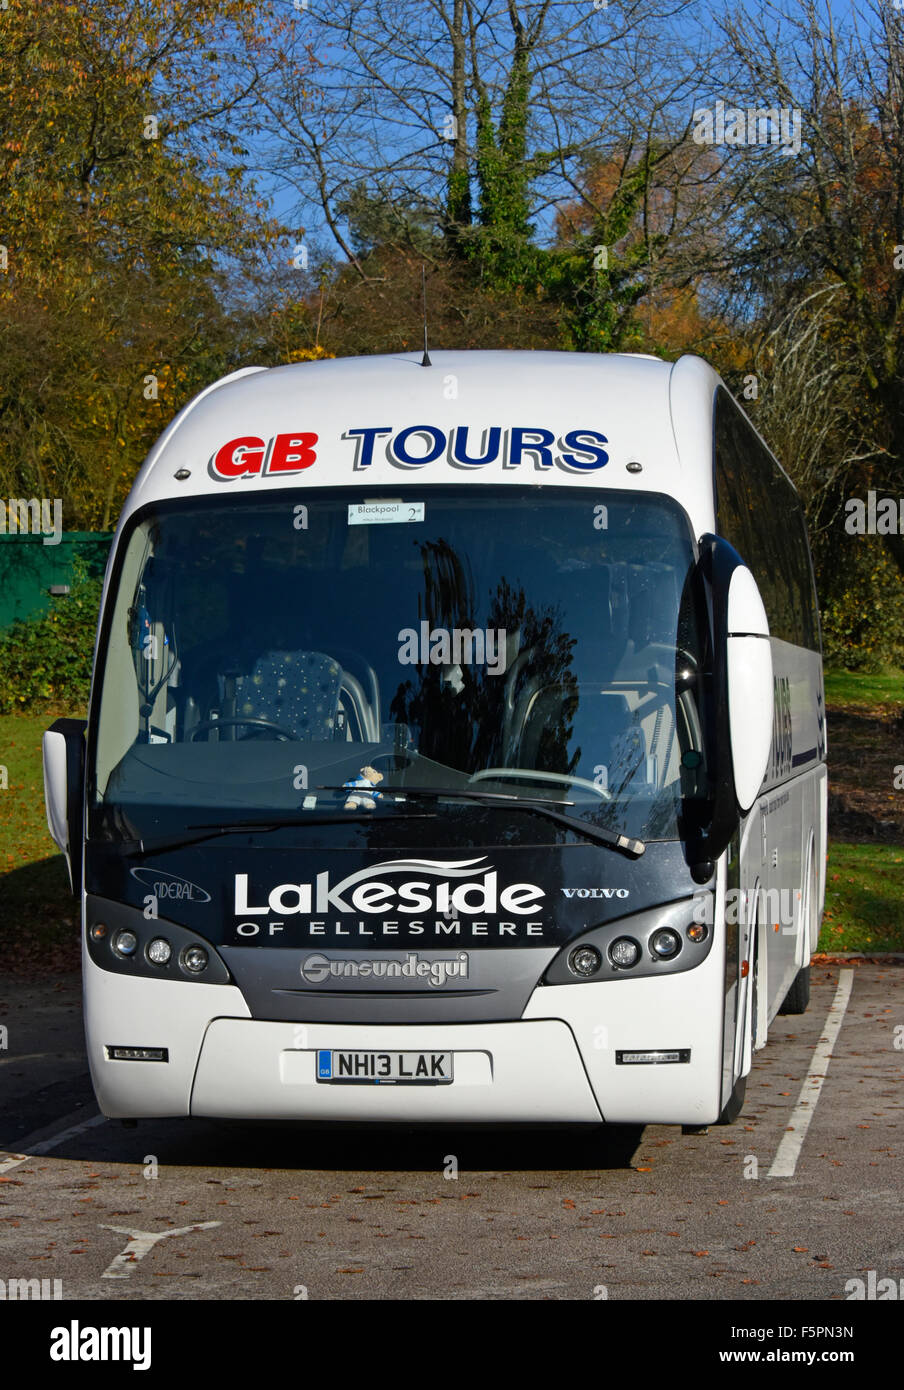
x=504, y=1072
x=557, y=1064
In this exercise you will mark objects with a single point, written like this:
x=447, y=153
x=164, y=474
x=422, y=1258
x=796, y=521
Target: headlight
x=125, y=943
x=624, y=953
x=119, y=939
x=654, y=942
x=159, y=951
x=665, y=943
x=194, y=959
x=585, y=960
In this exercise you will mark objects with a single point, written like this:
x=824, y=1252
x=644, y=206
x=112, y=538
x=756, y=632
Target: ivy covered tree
x=457, y=128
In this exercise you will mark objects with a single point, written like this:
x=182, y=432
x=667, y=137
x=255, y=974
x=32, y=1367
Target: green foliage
x=594, y=303
x=597, y=305
x=45, y=661
x=376, y=218
x=862, y=598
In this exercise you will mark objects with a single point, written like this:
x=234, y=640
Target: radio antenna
x=425, y=360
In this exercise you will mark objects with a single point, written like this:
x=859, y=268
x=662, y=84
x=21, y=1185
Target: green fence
x=29, y=569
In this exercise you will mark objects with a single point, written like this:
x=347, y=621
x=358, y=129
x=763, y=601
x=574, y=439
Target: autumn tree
x=818, y=265
x=127, y=220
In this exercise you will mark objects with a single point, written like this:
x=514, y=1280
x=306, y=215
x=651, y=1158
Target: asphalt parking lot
x=190, y=1209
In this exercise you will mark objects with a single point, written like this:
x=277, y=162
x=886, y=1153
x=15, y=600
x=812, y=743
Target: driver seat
x=298, y=690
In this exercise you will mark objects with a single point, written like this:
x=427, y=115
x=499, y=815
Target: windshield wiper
x=543, y=805
x=211, y=832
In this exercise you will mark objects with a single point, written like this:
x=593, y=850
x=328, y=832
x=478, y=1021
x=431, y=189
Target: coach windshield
x=259, y=654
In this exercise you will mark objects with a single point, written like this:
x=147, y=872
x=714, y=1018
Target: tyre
x=798, y=996
x=735, y=1103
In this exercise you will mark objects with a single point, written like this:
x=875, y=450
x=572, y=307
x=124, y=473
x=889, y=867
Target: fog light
x=159, y=951
x=125, y=943
x=137, y=1054
x=624, y=952
x=665, y=943
x=194, y=959
x=652, y=1058
x=697, y=932
x=98, y=931
x=585, y=960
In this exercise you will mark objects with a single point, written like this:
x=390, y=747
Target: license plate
x=385, y=1068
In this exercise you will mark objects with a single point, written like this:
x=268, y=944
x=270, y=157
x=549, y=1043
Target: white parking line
x=56, y=1139
x=39, y=1057
x=140, y=1242
x=53, y=1142
x=788, y=1152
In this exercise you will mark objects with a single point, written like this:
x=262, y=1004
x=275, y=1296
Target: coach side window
x=805, y=585
x=759, y=513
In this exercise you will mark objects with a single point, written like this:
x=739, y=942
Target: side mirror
x=750, y=688
x=64, y=791
x=742, y=693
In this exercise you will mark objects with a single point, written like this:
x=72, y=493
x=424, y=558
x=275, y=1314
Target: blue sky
x=684, y=28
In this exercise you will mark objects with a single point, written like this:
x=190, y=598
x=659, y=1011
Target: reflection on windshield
x=522, y=641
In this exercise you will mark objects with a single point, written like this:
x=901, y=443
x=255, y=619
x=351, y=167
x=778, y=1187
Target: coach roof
x=388, y=421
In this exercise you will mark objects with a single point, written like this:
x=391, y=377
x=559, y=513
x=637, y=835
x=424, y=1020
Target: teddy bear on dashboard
x=365, y=799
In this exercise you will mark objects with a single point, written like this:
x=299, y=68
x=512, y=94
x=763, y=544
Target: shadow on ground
x=248, y=1149
x=38, y=920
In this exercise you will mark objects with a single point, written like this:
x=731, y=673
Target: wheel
x=798, y=996
x=735, y=1103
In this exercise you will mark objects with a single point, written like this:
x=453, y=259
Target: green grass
x=854, y=688
x=865, y=883
x=34, y=884
x=24, y=837
x=864, y=899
